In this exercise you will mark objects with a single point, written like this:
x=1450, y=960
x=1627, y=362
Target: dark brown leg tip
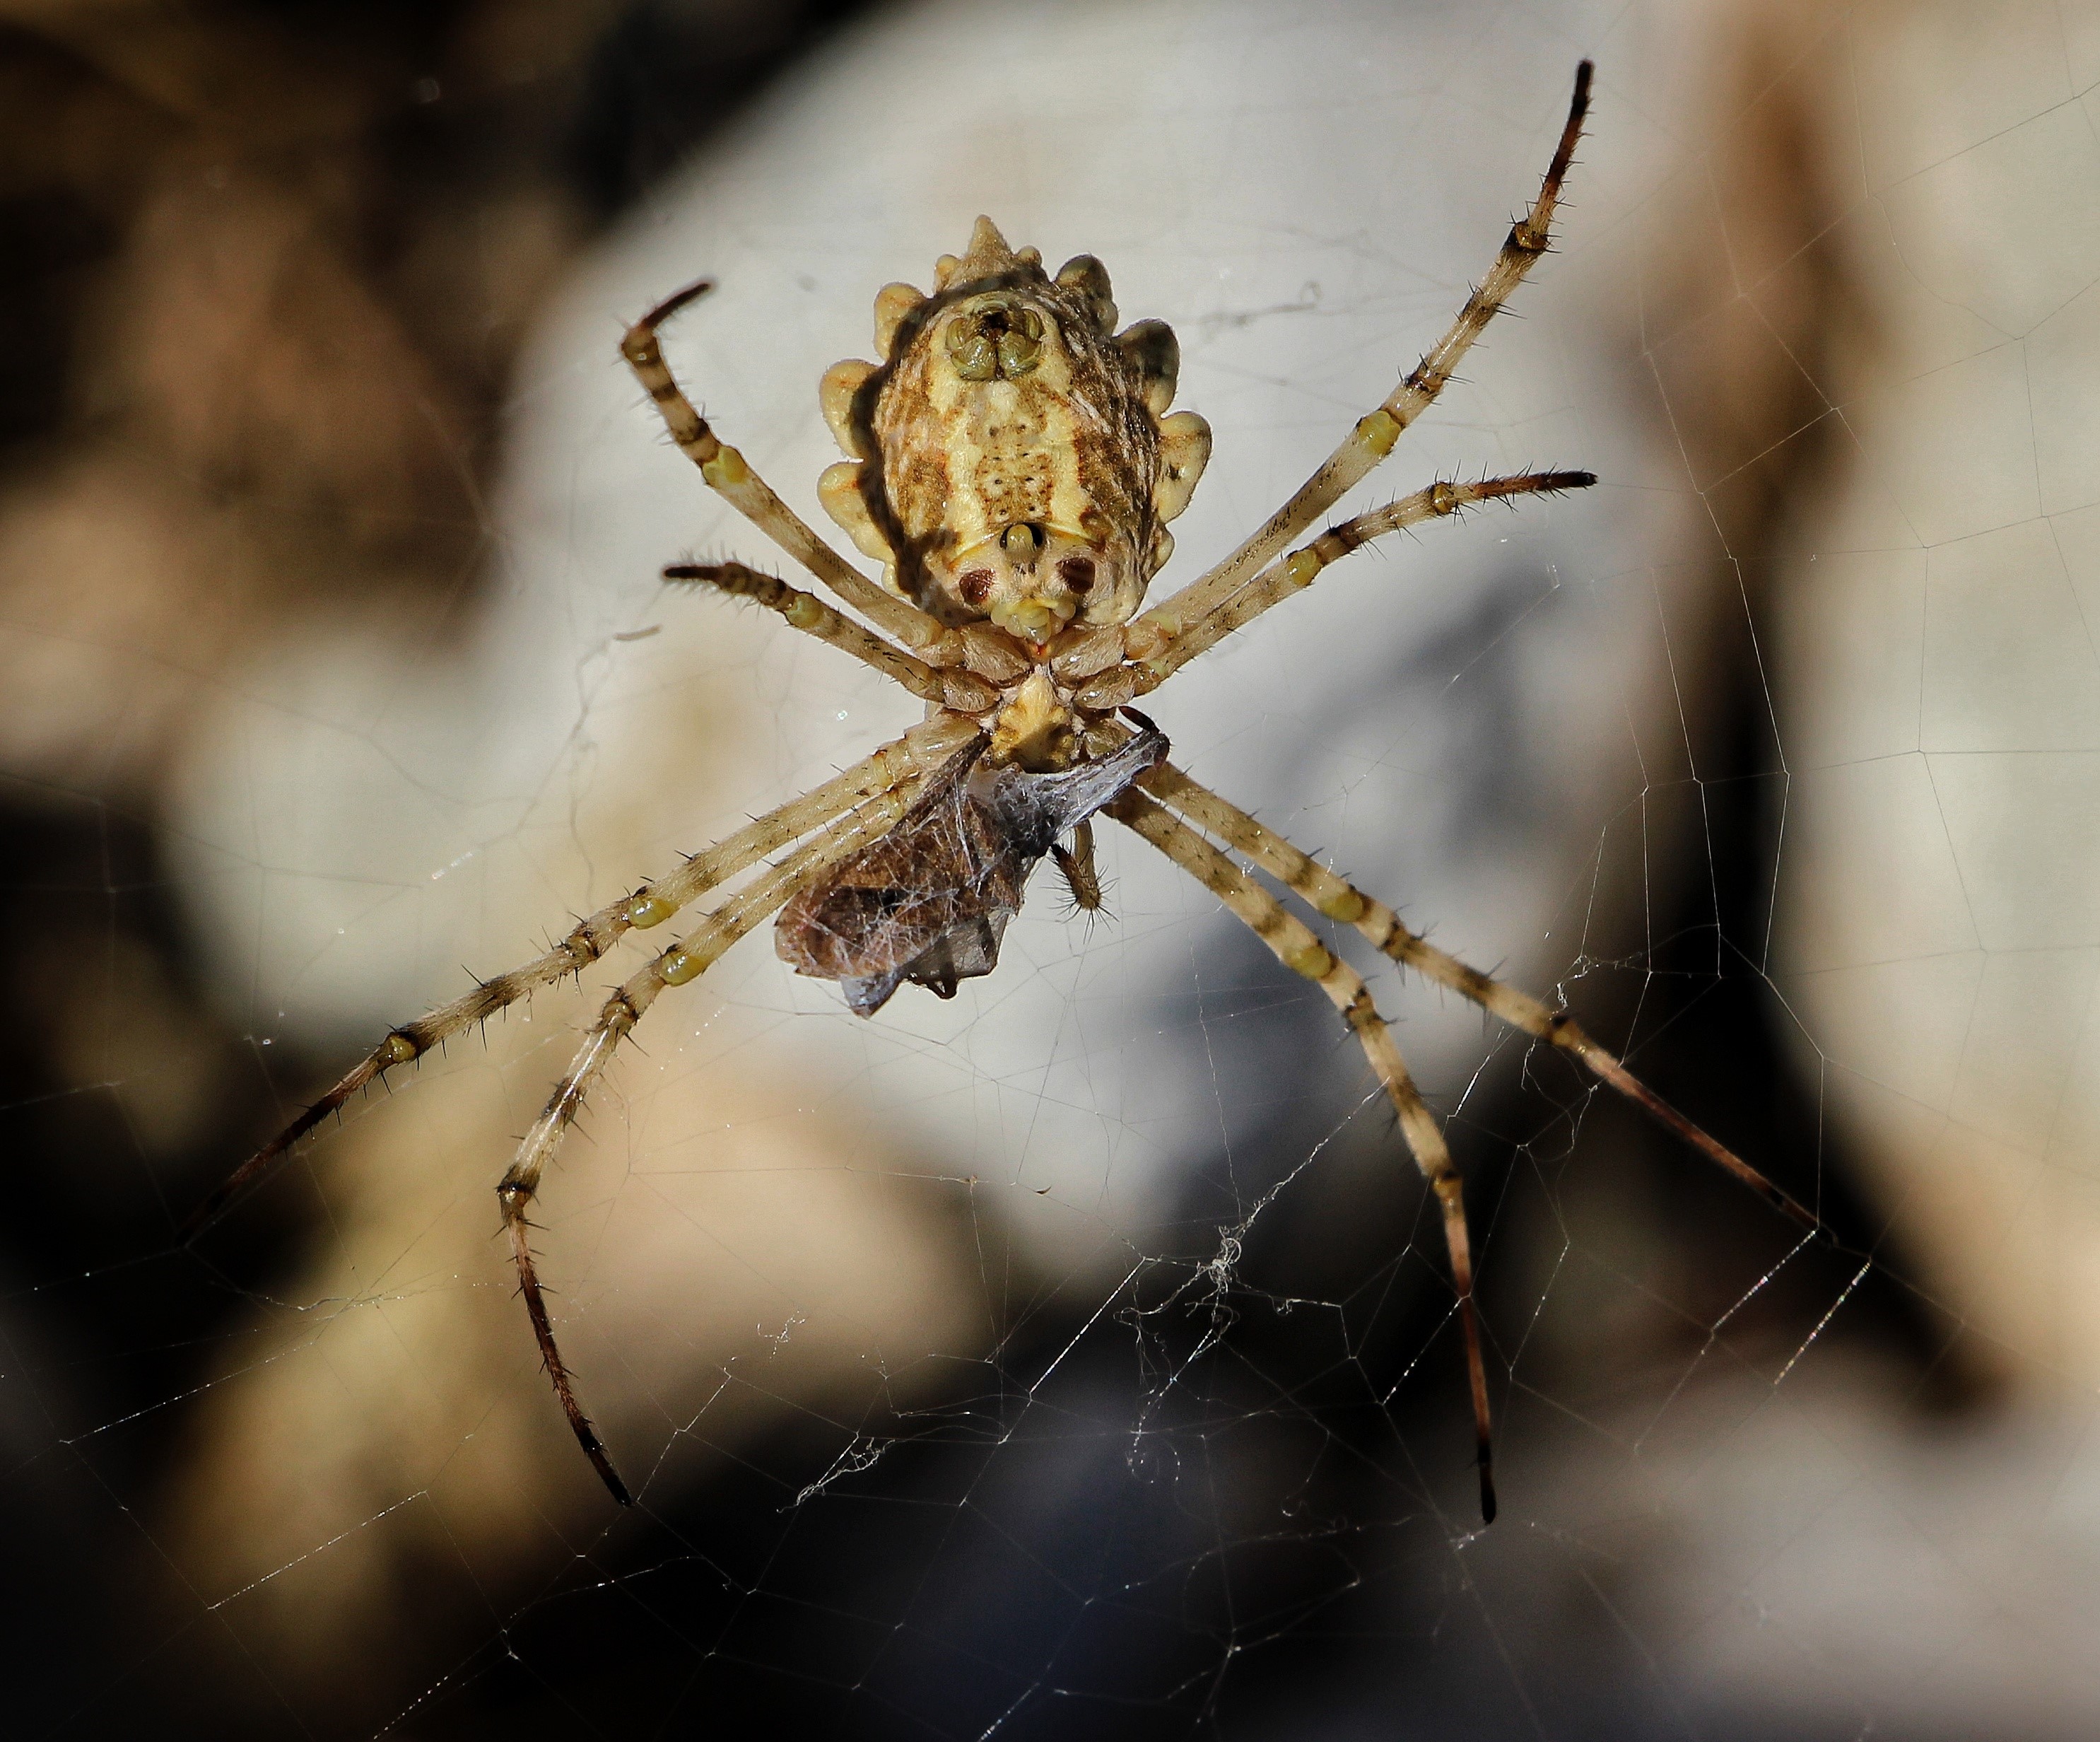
x=603, y=1464
x=677, y=300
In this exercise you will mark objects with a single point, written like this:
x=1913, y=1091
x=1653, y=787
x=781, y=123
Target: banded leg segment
x=1294, y=944
x=1192, y=635
x=1374, y=437
x=1341, y=900
x=963, y=691
x=728, y=472
x=922, y=748
x=685, y=960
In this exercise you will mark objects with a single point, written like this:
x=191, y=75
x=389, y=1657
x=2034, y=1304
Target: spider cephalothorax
x=1011, y=458
x=1012, y=464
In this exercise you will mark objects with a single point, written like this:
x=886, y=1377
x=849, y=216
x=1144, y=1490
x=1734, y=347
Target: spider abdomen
x=1012, y=458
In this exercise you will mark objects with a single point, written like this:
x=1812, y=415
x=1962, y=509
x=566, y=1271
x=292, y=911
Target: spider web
x=1078, y=1357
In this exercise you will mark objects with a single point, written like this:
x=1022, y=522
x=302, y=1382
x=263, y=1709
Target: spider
x=1012, y=463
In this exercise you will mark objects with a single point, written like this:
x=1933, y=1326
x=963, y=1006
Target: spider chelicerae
x=1012, y=463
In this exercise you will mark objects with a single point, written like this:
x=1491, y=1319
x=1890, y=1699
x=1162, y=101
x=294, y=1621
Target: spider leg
x=1298, y=949
x=728, y=472
x=686, y=960
x=1190, y=636
x=1342, y=900
x=961, y=690
x=1075, y=864
x=924, y=747
x=1372, y=438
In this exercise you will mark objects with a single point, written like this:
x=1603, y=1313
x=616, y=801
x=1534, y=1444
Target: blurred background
x=1075, y=1358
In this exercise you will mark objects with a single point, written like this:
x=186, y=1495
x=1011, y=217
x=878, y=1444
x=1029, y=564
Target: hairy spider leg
x=1296, y=572
x=1294, y=944
x=728, y=472
x=1373, y=438
x=924, y=747
x=1341, y=900
x=686, y=960
x=963, y=691
x=1075, y=864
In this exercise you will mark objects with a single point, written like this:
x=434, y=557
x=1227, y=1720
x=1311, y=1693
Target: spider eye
x=977, y=586
x=1076, y=572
